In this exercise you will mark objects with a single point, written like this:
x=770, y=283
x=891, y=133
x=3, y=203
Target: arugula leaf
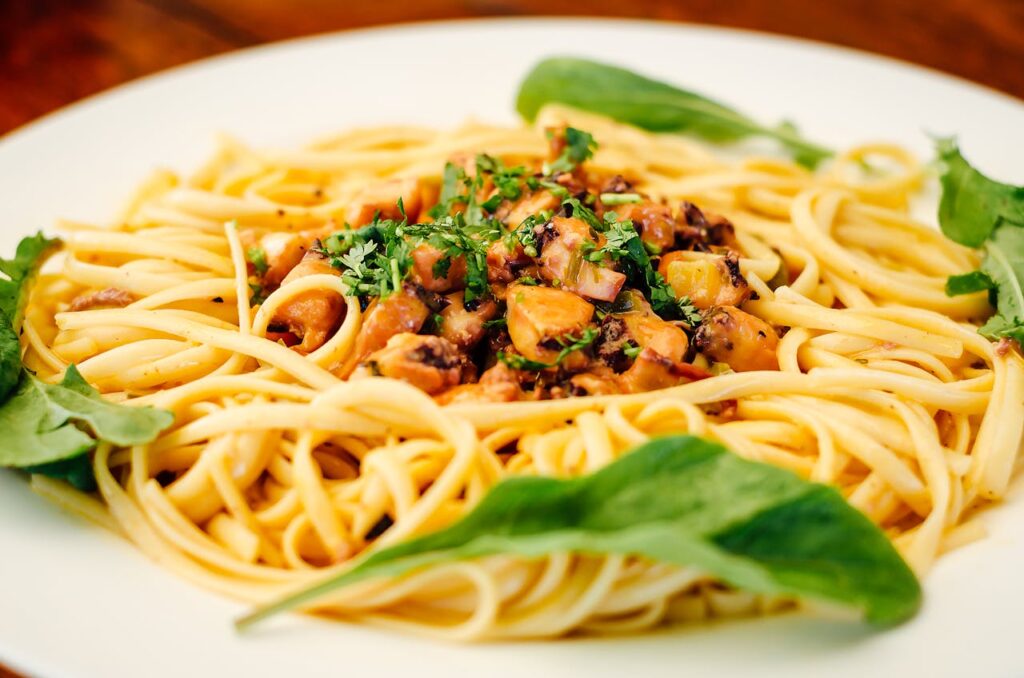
x=43, y=427
x=1004, y=267
x=20, y=271
x=44, y=423
x=15, y=282
x=979, y=212
x=972, y=205
x=649, y=104
x=680, y=500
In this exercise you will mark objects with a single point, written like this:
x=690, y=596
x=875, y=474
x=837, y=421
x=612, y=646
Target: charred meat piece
x=653, y=221
x=562, y=260
x=432, y=275
x=497, y=385
x=540, y=316
x=312, y=316
x=707, y=282
x=742, y=340
x=403, y=311
x=382, y=199
x=429, y=363
x=111, y=297
x=514, y=213
x=697, y=230
x=464, y=326
x=503, y=264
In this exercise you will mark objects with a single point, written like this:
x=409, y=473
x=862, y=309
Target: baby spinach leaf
x=681, y=500
x=649, y=104
x=972, y=205
x=43, y=423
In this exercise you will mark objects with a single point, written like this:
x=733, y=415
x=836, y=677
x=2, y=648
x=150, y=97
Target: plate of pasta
x=634, y=348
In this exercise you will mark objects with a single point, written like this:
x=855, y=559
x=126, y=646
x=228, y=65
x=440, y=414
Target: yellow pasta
x=280, y=468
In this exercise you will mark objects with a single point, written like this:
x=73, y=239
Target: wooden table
x=53, y=52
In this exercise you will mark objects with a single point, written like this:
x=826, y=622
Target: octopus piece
x=743, y=341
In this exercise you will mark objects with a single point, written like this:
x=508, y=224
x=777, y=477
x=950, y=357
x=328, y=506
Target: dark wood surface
x=53, y=52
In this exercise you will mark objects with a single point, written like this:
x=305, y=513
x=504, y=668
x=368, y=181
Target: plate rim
x=40, y=125
x=33, y=125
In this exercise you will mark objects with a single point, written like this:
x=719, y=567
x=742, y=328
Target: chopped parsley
x=579, y=147
x=619, y=198
x=373, y=260
x=569, y=344
x=625, y=246
x=257, y=256
x=632, y=350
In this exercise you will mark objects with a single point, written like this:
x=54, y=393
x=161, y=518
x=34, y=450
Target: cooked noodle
x=886, y=390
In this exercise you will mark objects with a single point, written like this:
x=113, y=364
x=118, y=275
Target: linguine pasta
x=280, y=470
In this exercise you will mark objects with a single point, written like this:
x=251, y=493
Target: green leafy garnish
x=15, y=281
x=632, y=350
x=625, y=246
x=257, y=256
x=649, y=104
x=48, y=428
x=680, y=500
x=972, y=205
x=620, y=198
x=579, y=147
x=44, y=423
x=374, y=260
x=568, y=343
x=979, y=212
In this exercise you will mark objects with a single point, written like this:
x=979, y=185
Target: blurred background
x=54, y=52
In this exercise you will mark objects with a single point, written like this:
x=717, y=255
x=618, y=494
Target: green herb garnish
x=49, y=428
x=257, y=256
x=620, y=198
x=579, y=147
x=569, y=344
x=649, y=104
x=979, y=212
x=681, y=500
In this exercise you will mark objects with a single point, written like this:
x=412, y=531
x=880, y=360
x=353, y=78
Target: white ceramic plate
x=75, y=601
